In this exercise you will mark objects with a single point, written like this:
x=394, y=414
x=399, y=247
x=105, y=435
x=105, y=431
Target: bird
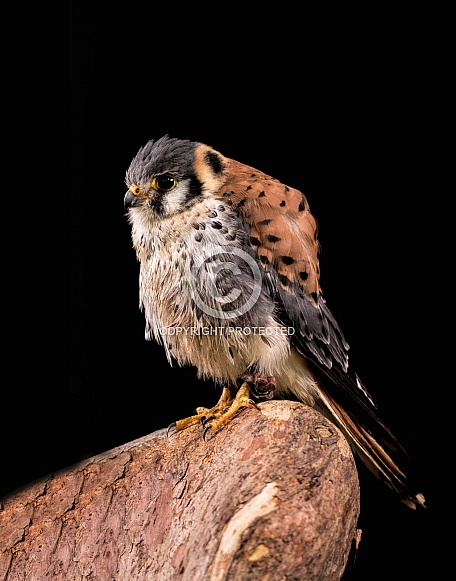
x=229, y=283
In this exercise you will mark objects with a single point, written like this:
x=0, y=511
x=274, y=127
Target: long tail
x=373, y=454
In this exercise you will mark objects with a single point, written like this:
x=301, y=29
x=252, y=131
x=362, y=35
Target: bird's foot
x=220, y=417
x=212, y=419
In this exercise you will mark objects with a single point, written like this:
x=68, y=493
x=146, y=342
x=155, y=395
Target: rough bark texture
x=272, y=496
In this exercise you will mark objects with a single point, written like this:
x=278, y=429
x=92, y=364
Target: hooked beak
x=129, y=200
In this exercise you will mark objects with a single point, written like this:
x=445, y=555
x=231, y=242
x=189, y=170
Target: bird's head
x=167, y=176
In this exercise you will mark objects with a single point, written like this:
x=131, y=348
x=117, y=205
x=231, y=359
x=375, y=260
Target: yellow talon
x=222, y=413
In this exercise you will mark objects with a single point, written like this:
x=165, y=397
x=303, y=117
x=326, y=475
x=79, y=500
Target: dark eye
x=164, y=183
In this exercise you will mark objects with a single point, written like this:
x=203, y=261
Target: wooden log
x=272, y=496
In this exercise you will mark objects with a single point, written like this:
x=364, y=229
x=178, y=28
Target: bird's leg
x=221, y=417
x=203, y=413
x=224, y=402
x=254, y=386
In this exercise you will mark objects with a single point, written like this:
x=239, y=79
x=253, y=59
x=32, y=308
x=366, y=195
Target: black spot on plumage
x=198, y=237
x=216, y=224
x=212, y=214
x=159, y=207
x=273, y=238
x=214, y=161
x=196, y=226
x=230, y=237
x=287, y=259
x=194, y=193
x=284, y=280
x=282, y=203
x=264, y=222
x=221, y=208
x=314, y=295
x=302, y=206
x=254, y=241
x=303, y=275
x=225, y=194
x=287, y=189
x=262, y=194
x=229, y=202
x=248, y=188
x=264, y=259
x=241, y=203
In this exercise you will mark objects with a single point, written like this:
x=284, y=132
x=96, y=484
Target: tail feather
x=373, y=454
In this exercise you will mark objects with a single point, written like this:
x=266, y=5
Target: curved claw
x=207, y=427
x=252, y=403
x=206, y=419
x=171, y=427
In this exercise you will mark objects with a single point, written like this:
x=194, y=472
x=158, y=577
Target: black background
x=348, y=115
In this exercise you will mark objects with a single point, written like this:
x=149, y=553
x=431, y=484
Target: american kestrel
x=229, y=283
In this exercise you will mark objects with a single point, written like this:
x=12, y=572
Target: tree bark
x=272, y=496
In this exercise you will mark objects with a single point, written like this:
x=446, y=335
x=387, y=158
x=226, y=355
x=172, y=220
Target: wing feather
x=283, y=233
